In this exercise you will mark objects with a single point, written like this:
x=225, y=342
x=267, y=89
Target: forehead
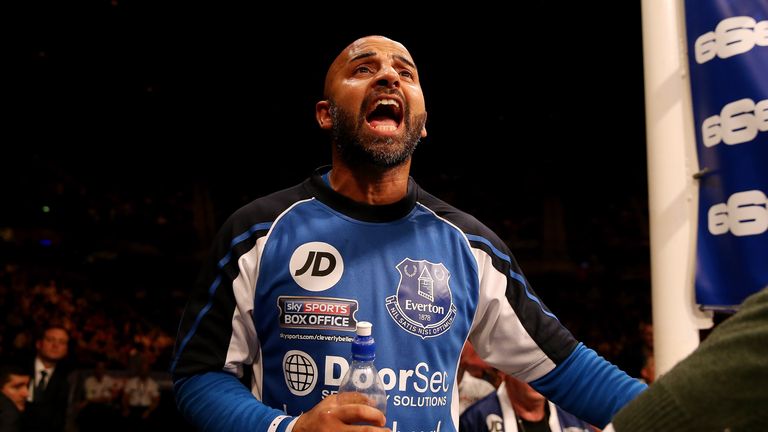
x=376, y=46
x=56, y=333
x=14, y=379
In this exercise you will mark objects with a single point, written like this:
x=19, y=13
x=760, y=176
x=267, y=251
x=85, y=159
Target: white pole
x=671, y=187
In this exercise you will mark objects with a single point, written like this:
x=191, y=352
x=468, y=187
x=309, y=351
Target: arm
x=588, y=386
x=125, y=403
x=154, y=390
x=217, y=401
x=217, y=337
x=722, y=385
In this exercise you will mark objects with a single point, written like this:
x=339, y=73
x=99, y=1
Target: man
x=48, y=389
x=516, y=407
x=97, y=408
x=472, y=387
x=292, y=273
x=14, y=381
x=721, y=386
x=141, y=397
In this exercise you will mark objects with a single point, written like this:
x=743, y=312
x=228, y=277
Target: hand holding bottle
x=361, y=402
x=330, y=415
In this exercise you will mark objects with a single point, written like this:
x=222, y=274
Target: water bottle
x=362, y=376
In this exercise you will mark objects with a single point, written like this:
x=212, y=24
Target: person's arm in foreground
x=722, y=385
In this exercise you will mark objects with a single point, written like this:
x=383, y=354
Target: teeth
x=387, y=128
x=387, y=102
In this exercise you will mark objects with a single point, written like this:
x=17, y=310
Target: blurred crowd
x=98, y=329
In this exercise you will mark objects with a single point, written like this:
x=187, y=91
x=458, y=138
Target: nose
x=388, y=78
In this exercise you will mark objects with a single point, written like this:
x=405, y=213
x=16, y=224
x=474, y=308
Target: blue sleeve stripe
x=588, y=386
x=517, y=276
x=198, y=319
x=486, y=242
x=215, y=285
x=241, y=238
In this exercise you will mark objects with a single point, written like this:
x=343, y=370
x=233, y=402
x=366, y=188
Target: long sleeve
x=723, y=385
x=217, y=401
x=589, y=386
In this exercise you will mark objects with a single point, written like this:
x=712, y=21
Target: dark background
x=544, y=98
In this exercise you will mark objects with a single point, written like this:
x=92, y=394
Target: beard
x=357, y=145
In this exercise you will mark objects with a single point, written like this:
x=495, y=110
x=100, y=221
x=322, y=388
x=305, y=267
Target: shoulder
x=480, y=409
x=475, y=231
x=259, y=214
x=10, y=416
x=478, y=416
x=271, y=206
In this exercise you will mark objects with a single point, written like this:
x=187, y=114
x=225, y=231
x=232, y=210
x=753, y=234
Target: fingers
x=333, y=416
x=348, y=398
x=359, y=413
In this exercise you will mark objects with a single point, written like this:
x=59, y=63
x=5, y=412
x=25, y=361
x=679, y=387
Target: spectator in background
x=14, y=381
x=97, y=408
x=48, y=388
x=648, y=372
x=517, y=407
x=141, y=396
x=472, y=386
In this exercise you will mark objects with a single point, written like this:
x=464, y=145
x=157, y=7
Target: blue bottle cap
x=363, y=347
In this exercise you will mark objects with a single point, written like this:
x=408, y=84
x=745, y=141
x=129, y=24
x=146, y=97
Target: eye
x=405, y=73
x=362, y=69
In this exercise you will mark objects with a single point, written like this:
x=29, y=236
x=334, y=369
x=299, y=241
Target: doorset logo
x=316, y=266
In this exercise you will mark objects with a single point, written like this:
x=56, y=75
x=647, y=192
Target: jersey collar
x=360, y=211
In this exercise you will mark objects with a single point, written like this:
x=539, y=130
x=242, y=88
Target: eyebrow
x=362, y=56
x=406, y=61
x=373, y=53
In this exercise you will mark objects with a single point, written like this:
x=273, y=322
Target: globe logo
x=300, y=372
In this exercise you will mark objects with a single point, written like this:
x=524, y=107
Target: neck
x=47, y=363
x=370, y=185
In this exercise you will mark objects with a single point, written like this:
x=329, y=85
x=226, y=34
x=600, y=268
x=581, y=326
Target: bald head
x=361, y=48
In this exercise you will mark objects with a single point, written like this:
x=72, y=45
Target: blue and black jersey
x=292, y=273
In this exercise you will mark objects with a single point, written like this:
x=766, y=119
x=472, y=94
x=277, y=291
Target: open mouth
x=385, y=115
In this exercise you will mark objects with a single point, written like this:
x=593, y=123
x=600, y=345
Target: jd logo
x=316, y=266
x=317, y=258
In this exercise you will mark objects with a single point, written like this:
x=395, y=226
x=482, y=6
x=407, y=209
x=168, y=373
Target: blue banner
x=728, y=59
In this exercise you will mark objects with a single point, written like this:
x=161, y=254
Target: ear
x=424, y=128
x=323, y=114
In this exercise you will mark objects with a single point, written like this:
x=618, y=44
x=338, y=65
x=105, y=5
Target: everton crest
x=423, y=305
